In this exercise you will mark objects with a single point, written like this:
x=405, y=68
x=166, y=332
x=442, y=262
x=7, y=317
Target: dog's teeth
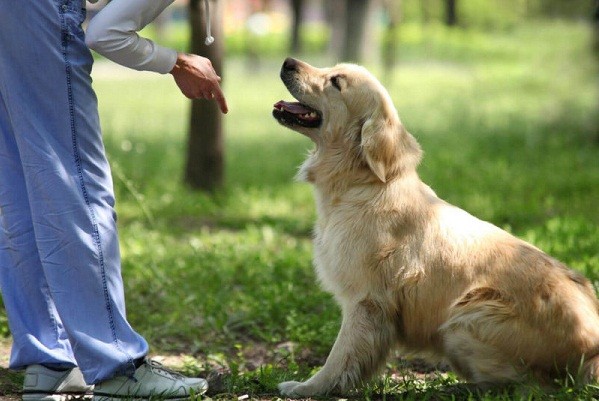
x=308, y=115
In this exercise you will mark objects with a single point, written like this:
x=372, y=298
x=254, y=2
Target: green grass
x=508, y=122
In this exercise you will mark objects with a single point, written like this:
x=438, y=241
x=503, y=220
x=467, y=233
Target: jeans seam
x=52, y=316
x=77, y=159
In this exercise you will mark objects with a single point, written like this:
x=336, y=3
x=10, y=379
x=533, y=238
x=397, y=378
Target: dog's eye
x=335, y=82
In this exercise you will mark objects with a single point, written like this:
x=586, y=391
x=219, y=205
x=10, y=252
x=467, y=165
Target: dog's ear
x=375, y=143
x=387, y=147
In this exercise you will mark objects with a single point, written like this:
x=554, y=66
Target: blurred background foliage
x=503, y=97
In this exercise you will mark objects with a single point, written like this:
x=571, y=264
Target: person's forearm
x=113, y=34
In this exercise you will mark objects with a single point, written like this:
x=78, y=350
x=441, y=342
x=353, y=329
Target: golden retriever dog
x=410, y=270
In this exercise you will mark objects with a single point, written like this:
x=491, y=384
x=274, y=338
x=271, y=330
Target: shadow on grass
x=290, y=227
x=10, y=384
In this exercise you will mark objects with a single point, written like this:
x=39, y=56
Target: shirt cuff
x=165, y=60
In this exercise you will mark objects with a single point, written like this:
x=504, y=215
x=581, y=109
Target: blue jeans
x=60, y=274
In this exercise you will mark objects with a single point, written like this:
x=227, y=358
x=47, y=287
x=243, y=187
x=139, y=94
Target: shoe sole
x=57, y=397
x=139, y=398
x=113, y=397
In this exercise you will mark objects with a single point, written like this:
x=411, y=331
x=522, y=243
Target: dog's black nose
x=290, y=64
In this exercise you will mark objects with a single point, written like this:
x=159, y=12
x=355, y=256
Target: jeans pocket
x=73, y=14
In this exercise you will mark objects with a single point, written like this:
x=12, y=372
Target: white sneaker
x=150, y=380
x=45, y=384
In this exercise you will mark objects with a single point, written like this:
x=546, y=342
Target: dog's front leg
x=361, y=347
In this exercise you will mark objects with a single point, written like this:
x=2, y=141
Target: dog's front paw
x=294, y=389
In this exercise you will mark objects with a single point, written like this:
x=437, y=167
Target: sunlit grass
x=508, y=122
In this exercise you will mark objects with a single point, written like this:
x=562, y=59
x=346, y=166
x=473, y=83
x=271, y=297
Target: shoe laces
x=156, y=366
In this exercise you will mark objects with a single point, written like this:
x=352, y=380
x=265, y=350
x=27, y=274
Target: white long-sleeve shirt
x=113, y=34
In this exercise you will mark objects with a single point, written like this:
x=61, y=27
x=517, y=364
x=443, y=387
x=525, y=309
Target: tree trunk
x=425, y=9
x=596, y=51
x=391, y=37
x=356, y=13
x=204, y=169
x=451, y=15
x=297, y=8
x=335, y=15
x=596, y=29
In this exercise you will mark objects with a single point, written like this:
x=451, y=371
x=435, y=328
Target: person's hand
x=197, y=79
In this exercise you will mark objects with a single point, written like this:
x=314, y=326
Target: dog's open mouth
x=295, y=113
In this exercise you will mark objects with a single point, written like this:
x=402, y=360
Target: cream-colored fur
x=412, y=271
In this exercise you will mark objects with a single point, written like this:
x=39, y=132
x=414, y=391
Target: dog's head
x=352, y=120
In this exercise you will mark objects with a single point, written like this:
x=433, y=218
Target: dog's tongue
x=292, y=107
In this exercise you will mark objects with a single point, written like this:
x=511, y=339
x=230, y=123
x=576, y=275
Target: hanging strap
x=209, y=38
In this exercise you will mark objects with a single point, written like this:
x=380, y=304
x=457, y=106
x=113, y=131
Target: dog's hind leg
x=475, y=338
x=590, y=370
x=477, y=361
x=362, y=346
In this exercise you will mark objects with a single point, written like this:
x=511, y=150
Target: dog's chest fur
x=383, y=245
x=357, y=245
